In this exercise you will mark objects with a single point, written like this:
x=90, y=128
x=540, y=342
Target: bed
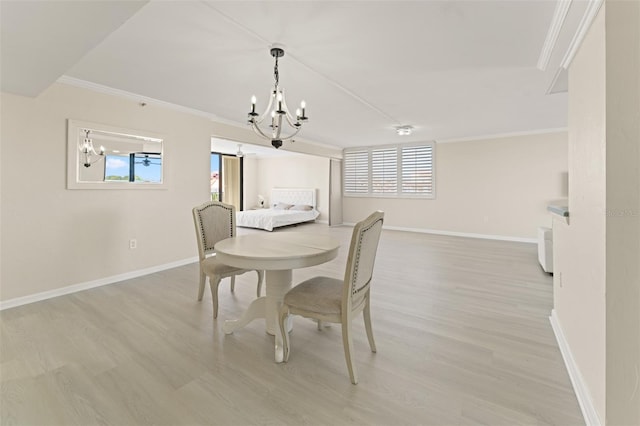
x=287, y=206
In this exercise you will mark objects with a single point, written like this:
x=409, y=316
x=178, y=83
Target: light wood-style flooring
x=461, y=327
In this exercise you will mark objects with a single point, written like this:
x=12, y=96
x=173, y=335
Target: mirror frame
x=74, y=128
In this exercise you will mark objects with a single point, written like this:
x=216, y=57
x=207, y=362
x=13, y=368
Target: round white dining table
x=278, y=254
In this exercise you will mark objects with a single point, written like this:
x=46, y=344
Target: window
x=384, y=171
x=390, y=171
x=356, y=172
x=216, y=166
x=417, y=170
x=134, y=167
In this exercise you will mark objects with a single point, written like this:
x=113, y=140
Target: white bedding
x=268, y=219
x=290, y=203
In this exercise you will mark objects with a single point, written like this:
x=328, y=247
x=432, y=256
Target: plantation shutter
x=390, y=171
x=417, y=170
x=356, y=172
x=384, y=171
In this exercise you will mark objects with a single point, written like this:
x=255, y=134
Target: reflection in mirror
x=106, y=157
x=89, y=154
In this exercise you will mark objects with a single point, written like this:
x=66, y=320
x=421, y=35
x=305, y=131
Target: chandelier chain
x=276, y=74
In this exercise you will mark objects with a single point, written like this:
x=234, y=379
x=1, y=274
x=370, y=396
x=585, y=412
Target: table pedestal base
x=267, y=307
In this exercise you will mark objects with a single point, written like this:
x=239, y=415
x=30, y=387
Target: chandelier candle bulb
x=253, y=104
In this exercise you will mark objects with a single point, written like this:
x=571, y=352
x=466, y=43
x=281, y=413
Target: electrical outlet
x=133, y=243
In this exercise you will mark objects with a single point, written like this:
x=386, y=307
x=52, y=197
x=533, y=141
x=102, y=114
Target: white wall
x=61, y=237
x=579, y=267
x=299, y=171
x=250, y=182
x=53, y=237
x=496, y=187
x=597, y=273
x=623, y=212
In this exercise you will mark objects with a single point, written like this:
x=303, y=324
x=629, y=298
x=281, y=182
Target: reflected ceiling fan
x=147, y=161
x=240, y=153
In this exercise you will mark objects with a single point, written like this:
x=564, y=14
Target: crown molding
x=587, y=19
x=559, y=15
x=560, y=77
x=558, y=22
x=72, y=81
x=505, y=135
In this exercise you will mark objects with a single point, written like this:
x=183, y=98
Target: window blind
x=405, y=170
x=384, y=171
x=417, y=169
x=356, y=172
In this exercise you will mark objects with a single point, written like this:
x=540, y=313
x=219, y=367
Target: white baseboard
x=18, y=301
x=11, y=303
x=579, y=386
x=457, y=234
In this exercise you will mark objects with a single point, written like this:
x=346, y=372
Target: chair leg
x=282, y=319
x=203, y=278
x=319, y=325
x=233, y=283
x=367, y=324
x=260, y=281
x=348, y=349
x=214, y=282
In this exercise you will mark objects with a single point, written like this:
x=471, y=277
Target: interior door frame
x=220, y=172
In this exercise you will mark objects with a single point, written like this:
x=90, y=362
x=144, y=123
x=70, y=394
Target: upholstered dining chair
x=339, y=301
x=216, y=221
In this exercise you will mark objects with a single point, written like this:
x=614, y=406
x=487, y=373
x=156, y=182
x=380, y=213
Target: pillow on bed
x=301, y=207
x=282, y=206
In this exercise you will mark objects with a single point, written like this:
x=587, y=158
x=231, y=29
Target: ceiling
x=451, y=69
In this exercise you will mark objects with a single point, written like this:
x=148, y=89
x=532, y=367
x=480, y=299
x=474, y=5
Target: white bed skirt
x=268, y=219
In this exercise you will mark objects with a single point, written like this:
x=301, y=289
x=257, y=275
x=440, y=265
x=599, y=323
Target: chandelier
x=90, y=156
x=277, y=112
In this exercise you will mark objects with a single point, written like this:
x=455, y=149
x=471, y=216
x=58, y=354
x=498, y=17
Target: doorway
x=226, y=179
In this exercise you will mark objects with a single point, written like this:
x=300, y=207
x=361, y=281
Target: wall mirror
x=106, y=157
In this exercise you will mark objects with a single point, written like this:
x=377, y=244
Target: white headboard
x=293, y=196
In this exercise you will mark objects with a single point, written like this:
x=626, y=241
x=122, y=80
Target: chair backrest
x=362, y=256
x=214, y=222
